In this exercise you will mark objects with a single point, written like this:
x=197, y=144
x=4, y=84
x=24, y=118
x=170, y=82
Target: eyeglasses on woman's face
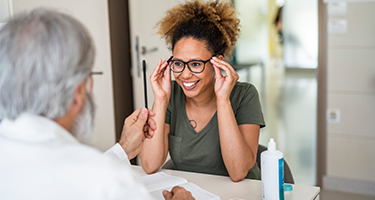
x=195, y=66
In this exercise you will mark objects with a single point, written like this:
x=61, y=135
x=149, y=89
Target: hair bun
x=221, y=14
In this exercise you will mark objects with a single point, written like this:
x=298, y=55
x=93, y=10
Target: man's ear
x=76, y=107
x=79, y=97
x=91, y=83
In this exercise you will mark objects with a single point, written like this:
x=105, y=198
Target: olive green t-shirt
x=200, y=152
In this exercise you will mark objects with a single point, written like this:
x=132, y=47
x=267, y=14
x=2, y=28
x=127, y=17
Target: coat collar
x=34, y=128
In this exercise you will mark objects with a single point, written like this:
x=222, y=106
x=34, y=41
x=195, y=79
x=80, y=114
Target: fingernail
x=144, y=111
x=164, y=192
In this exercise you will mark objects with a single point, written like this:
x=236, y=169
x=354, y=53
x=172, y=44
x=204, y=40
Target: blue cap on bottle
x=288, y=187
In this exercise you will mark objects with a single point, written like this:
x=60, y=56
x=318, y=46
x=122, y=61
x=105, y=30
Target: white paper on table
x=156, y=183
x=161, y=180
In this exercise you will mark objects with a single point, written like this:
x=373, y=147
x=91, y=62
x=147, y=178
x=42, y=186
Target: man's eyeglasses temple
x=96, y=73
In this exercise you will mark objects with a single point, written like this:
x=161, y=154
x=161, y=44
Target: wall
x=94, y=15
x=252, y=45
x=5, y=9
x=351, y=91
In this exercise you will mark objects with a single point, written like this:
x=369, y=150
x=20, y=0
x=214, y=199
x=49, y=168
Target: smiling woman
x=195, y=84
x=208, y=122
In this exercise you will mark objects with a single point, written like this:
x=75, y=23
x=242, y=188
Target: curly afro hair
x=213, y=22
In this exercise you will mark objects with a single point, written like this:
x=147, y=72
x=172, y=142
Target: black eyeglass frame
x=96, y=73
x=187, y=64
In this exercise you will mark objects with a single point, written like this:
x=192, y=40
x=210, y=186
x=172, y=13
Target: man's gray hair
x=44, y=56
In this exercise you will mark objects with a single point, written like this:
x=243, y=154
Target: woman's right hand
x=155, y=151
x=161, y=81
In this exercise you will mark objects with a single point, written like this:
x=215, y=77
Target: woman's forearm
x=154, y=151
x=237, y=155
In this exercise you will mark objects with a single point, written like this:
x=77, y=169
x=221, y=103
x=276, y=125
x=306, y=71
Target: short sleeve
x=246, y=104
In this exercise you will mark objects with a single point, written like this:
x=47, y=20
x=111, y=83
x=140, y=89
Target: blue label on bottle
x=281, y=178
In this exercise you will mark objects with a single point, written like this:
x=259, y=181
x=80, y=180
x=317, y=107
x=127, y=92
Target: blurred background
x=278, y=53
x=312, y=62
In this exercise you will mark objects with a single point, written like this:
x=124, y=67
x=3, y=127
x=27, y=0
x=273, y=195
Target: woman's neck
x=204, y=100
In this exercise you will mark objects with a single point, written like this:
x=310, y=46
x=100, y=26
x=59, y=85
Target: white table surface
x=246, y=189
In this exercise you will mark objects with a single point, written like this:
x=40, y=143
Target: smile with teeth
x=189, y=84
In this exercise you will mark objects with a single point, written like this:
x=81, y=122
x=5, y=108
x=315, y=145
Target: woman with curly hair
x=207, y=121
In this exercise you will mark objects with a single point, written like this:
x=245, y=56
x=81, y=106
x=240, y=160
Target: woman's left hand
x=224, y=84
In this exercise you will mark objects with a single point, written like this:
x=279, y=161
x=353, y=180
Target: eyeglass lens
x=194, y=66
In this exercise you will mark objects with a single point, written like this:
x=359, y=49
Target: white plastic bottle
x=272, y=163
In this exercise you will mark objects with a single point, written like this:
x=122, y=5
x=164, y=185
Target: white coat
x=40, y=160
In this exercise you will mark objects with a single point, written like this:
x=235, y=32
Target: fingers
x=161, y=81
x=218, y=74
x=157, y=68
x=222, y=64
x=150, y=127
x=167, y=195
x=228, y=69
x=151, y=113
x=152, y=124
x=165, y=64
x=181, y=193
x=175, y=189
x=173, y=194
x=160, y=69
x=156, y=74
x=142, y=116
x=134, y=131
x=165, y=72
x=146, y=132
x=132, y=118
x=178, y=193
x=168, y=72
x=163, y=67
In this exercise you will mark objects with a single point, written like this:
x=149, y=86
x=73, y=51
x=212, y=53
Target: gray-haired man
x=46, y=104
